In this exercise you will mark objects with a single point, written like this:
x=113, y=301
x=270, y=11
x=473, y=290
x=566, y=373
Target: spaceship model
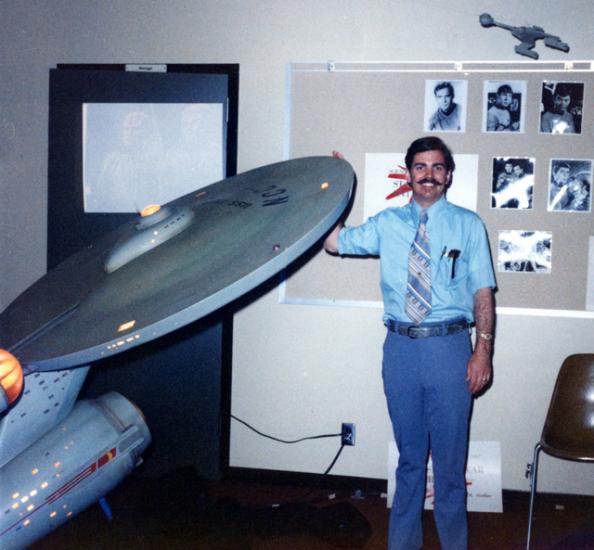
x=527, y=36
x=151, y=276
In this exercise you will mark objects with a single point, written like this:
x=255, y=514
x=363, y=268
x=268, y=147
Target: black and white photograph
x=512, y=183
x=136, y=154
x=445, y=105
x=561, y=107
x=524, y=251
x=505, y=105
x=570, y=185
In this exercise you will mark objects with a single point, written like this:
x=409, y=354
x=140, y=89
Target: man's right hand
x=331, y=242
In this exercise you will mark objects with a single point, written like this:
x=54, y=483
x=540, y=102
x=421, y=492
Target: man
x=579, y=191
x=559, y=189
x=130, y=170
x=447, y=116
x=559, y=120
x=506, y=177
x=503, y=185
x=499, y=117
x=518, y=171
x=429, y=369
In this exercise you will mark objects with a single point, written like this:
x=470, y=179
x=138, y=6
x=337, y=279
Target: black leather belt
x=430, y=329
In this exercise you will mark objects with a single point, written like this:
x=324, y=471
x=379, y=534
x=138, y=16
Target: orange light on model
x=126, y=326
x=150, y=210
x=11, y=376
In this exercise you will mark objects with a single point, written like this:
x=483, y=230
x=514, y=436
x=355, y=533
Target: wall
x=298, y=370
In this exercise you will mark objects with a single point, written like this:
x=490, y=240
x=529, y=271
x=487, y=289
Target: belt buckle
x=410, y=333
x=454, y=328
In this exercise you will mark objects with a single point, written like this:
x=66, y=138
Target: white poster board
x=385, y=182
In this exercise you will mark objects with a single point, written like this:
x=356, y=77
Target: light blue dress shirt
x=390, y=234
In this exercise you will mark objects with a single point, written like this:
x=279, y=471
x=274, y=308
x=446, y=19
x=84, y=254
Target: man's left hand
x=478, y=373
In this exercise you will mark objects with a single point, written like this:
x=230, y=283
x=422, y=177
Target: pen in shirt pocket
x=454, y=254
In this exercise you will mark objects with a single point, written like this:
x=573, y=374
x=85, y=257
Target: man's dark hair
x=442, y=85
x=562, y=90
x=429, y=143
x=504, y=89
x=558, y=165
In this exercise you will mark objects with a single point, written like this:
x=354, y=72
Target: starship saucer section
x=175, y=264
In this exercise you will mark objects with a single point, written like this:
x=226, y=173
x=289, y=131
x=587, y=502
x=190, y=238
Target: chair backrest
x=569, y=427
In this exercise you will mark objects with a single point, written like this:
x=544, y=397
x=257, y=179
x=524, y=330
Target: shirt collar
x=432, y=212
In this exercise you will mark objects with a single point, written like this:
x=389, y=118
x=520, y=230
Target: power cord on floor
x=292, y=441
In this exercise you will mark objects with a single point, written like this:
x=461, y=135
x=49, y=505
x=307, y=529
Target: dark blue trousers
x=429, y=405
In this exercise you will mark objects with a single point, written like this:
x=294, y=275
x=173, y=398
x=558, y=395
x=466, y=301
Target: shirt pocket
x=453, y=267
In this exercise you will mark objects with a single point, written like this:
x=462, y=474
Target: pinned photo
x=561, y=107
x=445, y=105
x=504, y=102
x=524, y=251
x=570, y=185
x=512, y=183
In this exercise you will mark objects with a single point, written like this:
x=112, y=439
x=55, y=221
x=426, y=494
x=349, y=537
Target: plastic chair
x=568, y=432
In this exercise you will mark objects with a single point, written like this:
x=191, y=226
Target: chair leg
x=533, y=477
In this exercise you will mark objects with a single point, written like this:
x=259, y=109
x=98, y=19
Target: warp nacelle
x=80, y=460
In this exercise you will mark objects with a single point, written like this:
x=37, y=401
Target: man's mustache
x=431, y=181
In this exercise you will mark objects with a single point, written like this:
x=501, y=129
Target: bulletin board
x=367, y=108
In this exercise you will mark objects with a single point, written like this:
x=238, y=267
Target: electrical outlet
x=348, y=434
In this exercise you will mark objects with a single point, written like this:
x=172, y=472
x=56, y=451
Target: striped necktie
x=418, y=288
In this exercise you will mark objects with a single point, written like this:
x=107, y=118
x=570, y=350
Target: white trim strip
x=517, y=311
x=574, y=66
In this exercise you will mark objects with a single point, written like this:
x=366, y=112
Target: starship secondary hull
x=80, y=460
x=126, y=290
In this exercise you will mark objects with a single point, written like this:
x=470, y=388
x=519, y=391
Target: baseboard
x=373, y=485
x=305, y=479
